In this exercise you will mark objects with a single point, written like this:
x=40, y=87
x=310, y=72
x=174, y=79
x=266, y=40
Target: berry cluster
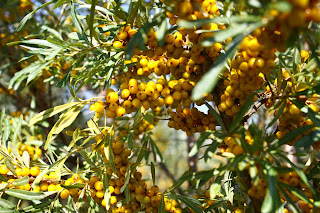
x=292, y=178
x=246, y=75
x=232, y=144
x=293, y=118
x=144, y=198
x=282, y=24
x=191, y=120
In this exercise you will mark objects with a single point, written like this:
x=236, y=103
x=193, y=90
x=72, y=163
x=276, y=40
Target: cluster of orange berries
x=193, y=10
x=307, y=207
x=123, y=36
x=292, y=178
x=34, y=151
x=292, y=118
x=7, y=91
x=135, y=94
x=182, y=57
x=144, y=127
x=144, y=198
x=282, y=24
x=47, y=183
x=231, y=145
x=246, y=75
x=258, y=191
x=191, y=120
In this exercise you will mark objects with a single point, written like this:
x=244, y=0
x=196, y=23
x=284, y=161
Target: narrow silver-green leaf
x=27, y=195
x=6, y=204
x=21, y=181
x=153, y=173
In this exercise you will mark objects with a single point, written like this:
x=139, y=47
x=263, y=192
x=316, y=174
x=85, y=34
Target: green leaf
x=16, y=154
x=92, y=11
x=108, y=150
x=6, y=204
x=64, y=80
x=243, y=110
x=26, y=158
x=162, y=32
x=281, y=6
x=288, y=198
x=302, y=176
x=215, y=115
x=5, y=210
x=289, y=137
x=198, y=144
x=191, y=202
x=38, y=42
x=27, y=195
x=215, y=188
x=314, y=116
x=77, y=23
x=59, y=3
x=17, y=129
x=30, y=72
x=161, y=206
x=148, y=117
x=29, y=15
x=272, y=200
x=6, y=129
x=296, y=192
x=133, y=11
x=309, y=139
x=210, y=79
x=153, y=174
x=21, y=181
x=156, y=149
x=127, y=179
x=107, y=194
x=127, y=194
x=9, y=164
x=279, y=112
x=222, y=35
x=185, y=177
x=130, y=139
x=141, y=154
x=86, y=158
x=3, y=178
x=309, y=92
x=314, y=173
x=65, y=120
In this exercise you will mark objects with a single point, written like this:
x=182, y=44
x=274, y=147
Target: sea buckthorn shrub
x=102, y=98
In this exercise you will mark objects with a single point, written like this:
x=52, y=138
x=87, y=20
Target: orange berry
x=98, y=185
x=64, y=194
x=35, y=171
x=112, y=97
x=117, y=44
x=120, y=111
